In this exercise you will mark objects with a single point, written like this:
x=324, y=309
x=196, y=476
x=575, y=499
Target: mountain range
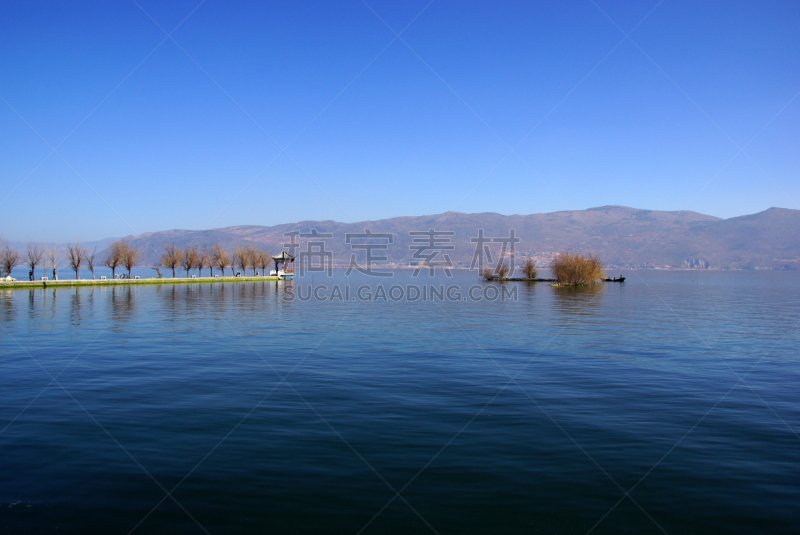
x=620, y=236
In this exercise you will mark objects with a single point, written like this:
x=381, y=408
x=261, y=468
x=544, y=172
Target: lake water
x=669, y=403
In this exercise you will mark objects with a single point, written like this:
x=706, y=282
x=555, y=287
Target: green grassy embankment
x=126, y=282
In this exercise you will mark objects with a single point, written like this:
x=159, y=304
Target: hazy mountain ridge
x=621, y=236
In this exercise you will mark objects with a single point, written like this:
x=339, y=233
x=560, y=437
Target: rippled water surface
x=667, y=404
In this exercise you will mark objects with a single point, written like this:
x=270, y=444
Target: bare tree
x=9, y=257
x=501, y=270
x=263, y=261
x=252, y=257
x=33, y=257
x=214, y=257
x=90, y=259
x=220, y=258
x=529, y=268
x=189, y=259
x=114, y=258
x=239, y=258
x=171, y=258
x=245, y=260
x=130, y=255
x=75, y=256
x=53, y=255
x=203, y=260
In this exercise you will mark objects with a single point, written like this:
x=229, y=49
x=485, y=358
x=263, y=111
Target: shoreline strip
x=125, y=282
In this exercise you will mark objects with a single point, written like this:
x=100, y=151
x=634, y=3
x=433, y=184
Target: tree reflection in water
x=578, y=300
x=122, y=303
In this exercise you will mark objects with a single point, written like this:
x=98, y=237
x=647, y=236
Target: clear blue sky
x=153, y=134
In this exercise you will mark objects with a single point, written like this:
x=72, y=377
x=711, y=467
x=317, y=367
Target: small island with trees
x=569, y=270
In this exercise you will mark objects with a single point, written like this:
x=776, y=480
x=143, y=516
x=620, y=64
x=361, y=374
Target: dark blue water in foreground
x=162, y=409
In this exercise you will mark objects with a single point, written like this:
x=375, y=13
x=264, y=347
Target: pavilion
x=281, y=260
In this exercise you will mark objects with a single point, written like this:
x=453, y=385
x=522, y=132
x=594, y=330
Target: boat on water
x=616, y=279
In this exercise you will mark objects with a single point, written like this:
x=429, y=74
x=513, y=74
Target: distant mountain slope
x=621, y=236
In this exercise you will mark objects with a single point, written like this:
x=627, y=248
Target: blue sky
x=268, y=113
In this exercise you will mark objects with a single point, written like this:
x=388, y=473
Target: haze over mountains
x=620, y=236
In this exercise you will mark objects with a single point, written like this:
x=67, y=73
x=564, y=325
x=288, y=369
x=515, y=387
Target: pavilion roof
x=283, y=256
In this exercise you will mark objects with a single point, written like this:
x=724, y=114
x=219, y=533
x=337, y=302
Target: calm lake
x=667, y=404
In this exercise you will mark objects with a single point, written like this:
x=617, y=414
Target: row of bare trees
x=36, y=255
x=120, y=253
x=216, y=257
x=123, y=254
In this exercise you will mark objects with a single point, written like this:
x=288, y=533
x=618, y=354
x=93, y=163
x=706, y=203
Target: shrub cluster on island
x=569, y=270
